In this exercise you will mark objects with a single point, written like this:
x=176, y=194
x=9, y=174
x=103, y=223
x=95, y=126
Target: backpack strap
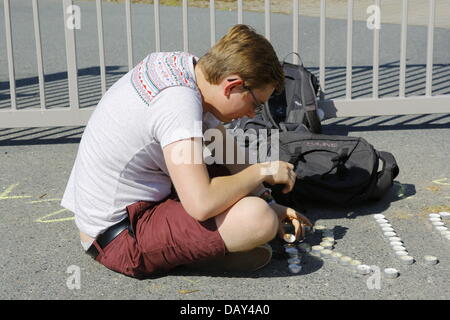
x=296, y=53
x=386, y=176
x=339, y=164
x=295, y=156
x=267, y=117
x=309, y=100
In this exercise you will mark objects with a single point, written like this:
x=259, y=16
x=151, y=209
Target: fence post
x=185, y=27
x=349, y=67
x=157, y=24
x=322, y=47
x=40, y=64
x=240, y=11
x=295, y=14
x=404, y=36
x=267, y=18
x=212, y=21
x=431, y=16
x=376, y=57
x=71, y=55
x=129, y=34
x=101, y=50
x=10, y=53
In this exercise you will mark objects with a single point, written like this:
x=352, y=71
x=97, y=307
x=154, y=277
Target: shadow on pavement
x=342, y=126
x=278, y=267
x=336, y=126
x=317, y=211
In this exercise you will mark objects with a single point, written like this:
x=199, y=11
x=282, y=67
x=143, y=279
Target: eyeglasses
x=258, y=106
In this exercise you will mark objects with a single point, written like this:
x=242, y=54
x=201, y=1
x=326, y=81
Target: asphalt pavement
x=40, y=248
x=40, y=253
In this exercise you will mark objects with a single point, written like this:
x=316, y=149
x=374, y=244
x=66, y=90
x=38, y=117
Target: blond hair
x=246, y=53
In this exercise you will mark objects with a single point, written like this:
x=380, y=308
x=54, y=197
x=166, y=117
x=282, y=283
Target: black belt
x=109, y=235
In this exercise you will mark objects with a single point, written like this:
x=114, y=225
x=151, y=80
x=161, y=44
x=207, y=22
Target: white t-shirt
x=120, y=159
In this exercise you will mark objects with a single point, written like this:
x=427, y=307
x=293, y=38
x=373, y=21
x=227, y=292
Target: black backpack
x=334, y=169
x=297, y=104
x=330, y=168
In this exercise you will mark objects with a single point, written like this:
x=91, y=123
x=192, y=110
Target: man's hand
x=279, y=172
x=298, y=220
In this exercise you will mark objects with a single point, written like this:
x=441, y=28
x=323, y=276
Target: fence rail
x=347, y=105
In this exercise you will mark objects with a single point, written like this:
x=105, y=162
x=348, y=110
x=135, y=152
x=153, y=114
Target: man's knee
x=261, y=220
x=249, y=223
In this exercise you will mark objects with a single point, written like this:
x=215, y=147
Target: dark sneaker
x=244, y=261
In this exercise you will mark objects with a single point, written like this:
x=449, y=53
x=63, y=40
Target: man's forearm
x=223, y=191
x=236, y=168
x=239, y=155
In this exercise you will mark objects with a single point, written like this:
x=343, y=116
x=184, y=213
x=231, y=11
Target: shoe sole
x=245, y=261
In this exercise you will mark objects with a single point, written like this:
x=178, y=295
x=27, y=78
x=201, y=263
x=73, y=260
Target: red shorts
x=165, y=236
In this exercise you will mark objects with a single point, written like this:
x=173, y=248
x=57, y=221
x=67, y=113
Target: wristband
x=267, y=196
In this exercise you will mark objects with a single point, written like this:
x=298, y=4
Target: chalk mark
x=46, y=200
x=43, y=219
x=4, y=195
x=189, y=280
x=187, y=291
x=441, y=182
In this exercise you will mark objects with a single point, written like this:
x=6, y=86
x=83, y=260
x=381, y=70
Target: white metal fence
x=344, y=106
